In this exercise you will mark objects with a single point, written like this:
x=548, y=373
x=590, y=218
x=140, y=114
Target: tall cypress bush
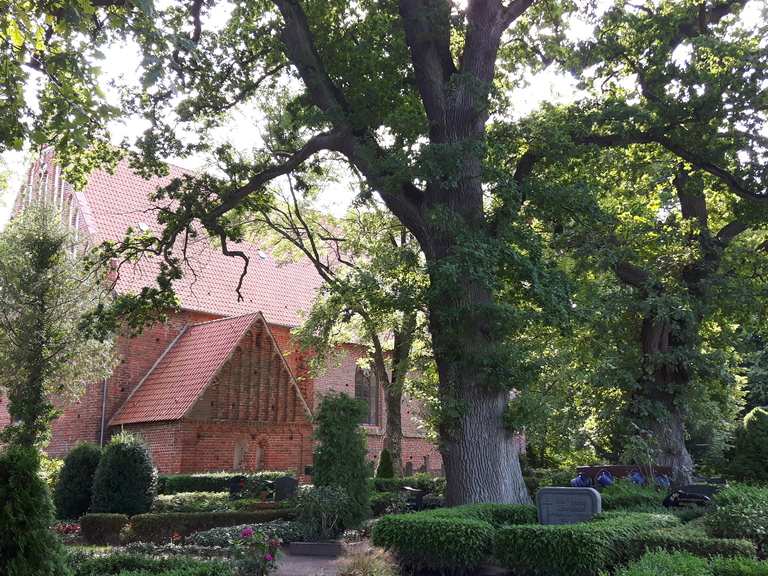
x=750, y=454
x=74, y=487
x=28, y=547
x=125, y=481
x=340, y=456
x=385, y=468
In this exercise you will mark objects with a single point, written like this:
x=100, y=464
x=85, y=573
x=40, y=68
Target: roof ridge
x=223, y=318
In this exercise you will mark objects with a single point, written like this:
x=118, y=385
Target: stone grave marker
x=285, y=487
x=558, y=505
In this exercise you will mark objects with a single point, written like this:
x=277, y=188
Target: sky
x=122, y=63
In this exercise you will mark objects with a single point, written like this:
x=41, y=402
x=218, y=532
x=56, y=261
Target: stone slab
x=558, y=505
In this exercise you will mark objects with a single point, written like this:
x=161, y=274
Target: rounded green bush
x=27, y=545
x=750, y=453
x=125, y=481
x=74, y=486
x=385, y=468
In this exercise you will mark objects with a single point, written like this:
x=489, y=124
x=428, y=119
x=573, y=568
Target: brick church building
x=219, y=386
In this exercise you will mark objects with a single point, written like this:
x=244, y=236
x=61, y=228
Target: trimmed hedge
x=627, y=496
x=686, y=564
x=211, y=481
x=438, y=543
x=574, y=549
x=207, y=502
x=139, y=565
x=102, y=528
x=675, y=541
x=424, y=482
x=160, y=528
x=447, y=540
x=740, y=512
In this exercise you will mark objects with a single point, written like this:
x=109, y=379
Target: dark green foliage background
x=749, y=461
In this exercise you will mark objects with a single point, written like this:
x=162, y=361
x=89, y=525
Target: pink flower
x=247, y=532
x=268, y=558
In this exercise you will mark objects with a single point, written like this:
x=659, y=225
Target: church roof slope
x=282, y=291
x=183, y=372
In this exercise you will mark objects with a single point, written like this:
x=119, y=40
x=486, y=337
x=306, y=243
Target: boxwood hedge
x=448, y=540
x=574, y=549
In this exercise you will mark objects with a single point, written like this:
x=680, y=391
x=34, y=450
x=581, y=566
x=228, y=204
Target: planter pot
x=330, y=549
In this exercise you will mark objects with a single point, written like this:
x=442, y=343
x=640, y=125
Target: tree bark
x=665, y=377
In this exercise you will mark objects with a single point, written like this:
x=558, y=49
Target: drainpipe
x=103, y=410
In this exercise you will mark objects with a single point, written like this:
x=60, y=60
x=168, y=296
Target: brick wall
x=339, y=376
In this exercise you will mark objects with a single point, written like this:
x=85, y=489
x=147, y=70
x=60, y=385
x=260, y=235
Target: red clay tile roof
x=184, y=370
x=114, y=202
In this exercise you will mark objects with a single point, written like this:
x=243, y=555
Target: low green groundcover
x=285, y=530
x=686, y=564
x=138, y=565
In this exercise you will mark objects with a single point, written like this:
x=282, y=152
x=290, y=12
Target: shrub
x=212, y=481
x=27, y=545
x=125, y=480
x=50, y=468
x=665, y=564
x=574, y=549
x=740, y=512
x=191, y=502
x=387, y=503
x=738, y=567
x=320, y=512
x=422, y=481
x=674, y=541
x=625, y=495
x=138, y=565
x=340, y=456
x=686, y=564
x=428, y=541
x=160, y=528
x=73, y=489
x=385, y=468
x=749, y=460
x=285, y=530
x=102, y=528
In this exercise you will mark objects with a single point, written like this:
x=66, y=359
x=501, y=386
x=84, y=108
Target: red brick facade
x=230, y=425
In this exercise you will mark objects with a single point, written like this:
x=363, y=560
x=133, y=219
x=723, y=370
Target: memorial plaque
x=567, y=505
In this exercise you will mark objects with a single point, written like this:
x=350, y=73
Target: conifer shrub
x=749, y=461
x=74, y=486
x=385, y=468
x=28, y=547
x=125, y=480
x=340, y=456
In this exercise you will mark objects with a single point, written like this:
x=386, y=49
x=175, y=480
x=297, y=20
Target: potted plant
x=319, y=513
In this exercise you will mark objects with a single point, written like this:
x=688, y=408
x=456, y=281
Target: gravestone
x=236, y=486
x=285, y=487
x=558, y=505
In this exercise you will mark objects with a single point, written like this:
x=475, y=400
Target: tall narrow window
x=367, y=390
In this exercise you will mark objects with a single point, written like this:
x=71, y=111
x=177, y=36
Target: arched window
x=367, y=390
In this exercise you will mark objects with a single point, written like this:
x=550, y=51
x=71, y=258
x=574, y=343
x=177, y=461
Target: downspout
x=103, y=410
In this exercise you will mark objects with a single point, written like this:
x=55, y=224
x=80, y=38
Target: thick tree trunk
x=481, y=458
x=666, y=379
x=393, y=432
